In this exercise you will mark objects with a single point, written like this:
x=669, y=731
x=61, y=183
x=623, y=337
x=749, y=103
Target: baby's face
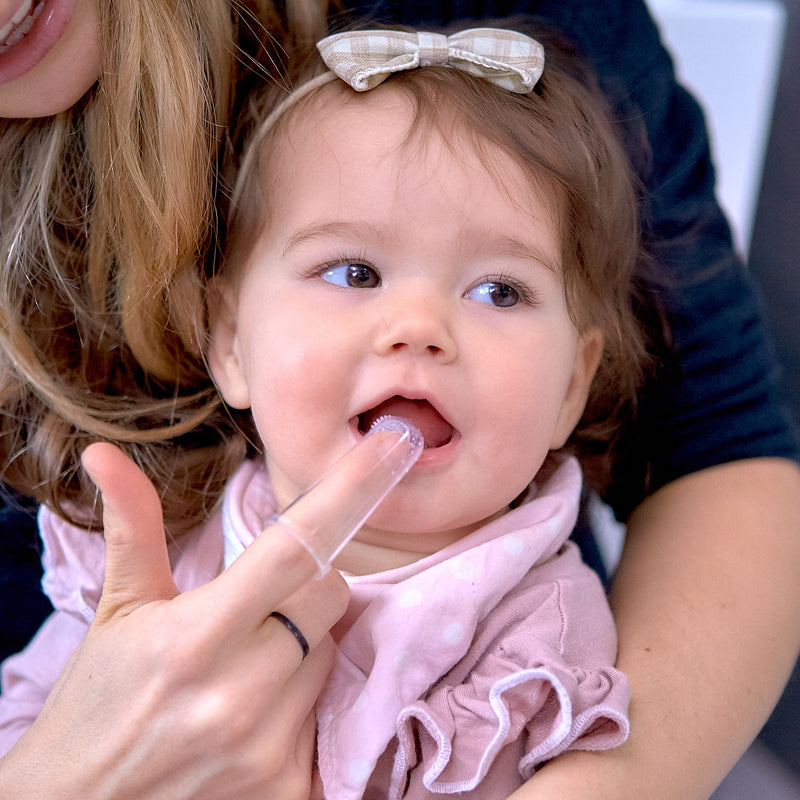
x=402, y=280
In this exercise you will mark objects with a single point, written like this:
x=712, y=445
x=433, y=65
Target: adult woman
x=729, y=503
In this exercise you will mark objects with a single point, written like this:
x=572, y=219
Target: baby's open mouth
x=435, y=429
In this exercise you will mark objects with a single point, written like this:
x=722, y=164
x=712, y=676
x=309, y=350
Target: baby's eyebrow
x=360, y=231
x=514, y=248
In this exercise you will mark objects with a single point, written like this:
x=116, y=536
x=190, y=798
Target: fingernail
x=380, y=461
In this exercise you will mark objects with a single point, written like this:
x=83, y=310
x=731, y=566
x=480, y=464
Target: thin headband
x=364, y=59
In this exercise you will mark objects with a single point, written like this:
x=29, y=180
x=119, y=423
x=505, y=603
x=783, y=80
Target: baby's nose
x=418, y=325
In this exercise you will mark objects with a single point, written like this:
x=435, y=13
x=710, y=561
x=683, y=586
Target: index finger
x=304, y=539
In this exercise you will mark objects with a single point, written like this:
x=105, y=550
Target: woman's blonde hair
x=107, y=230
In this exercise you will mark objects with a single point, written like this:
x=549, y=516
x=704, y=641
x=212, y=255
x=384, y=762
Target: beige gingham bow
x=363, y=59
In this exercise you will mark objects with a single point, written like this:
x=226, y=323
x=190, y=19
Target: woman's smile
x=49, y=55
x=32, y=30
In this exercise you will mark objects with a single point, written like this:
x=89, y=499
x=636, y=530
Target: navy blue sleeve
x=715, y=398
x=23, y=606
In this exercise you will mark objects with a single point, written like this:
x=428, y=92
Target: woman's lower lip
x=53, y=19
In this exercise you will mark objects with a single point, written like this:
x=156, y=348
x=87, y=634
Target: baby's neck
x=362, y=558
x=374, y=551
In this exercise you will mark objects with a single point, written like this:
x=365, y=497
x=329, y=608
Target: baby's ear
x=224, y=358
x=584, y=367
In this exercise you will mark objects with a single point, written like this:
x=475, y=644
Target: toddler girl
x=441, y=229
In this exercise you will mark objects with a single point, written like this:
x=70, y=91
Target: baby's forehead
x=318, y=127
x=335, y=106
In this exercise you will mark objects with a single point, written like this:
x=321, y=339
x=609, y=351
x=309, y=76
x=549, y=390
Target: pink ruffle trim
x=548, y=709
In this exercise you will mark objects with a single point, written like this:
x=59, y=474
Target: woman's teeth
x=19, y=24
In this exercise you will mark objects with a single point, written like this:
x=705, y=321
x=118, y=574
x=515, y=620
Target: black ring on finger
x=295, y=631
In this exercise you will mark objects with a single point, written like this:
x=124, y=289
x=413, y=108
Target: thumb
x=137, y=564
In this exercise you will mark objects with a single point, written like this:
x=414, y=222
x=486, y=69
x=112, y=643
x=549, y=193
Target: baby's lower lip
x=432, y=456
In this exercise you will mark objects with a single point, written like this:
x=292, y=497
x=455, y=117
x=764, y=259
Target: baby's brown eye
x=353, y=276
x=494, y=293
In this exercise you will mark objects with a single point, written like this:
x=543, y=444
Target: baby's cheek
x=301, y=383
x=308, y=371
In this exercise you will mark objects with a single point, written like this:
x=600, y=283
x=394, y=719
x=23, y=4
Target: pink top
x=463, y=670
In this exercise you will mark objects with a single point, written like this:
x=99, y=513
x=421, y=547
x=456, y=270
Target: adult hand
x=194, y=695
